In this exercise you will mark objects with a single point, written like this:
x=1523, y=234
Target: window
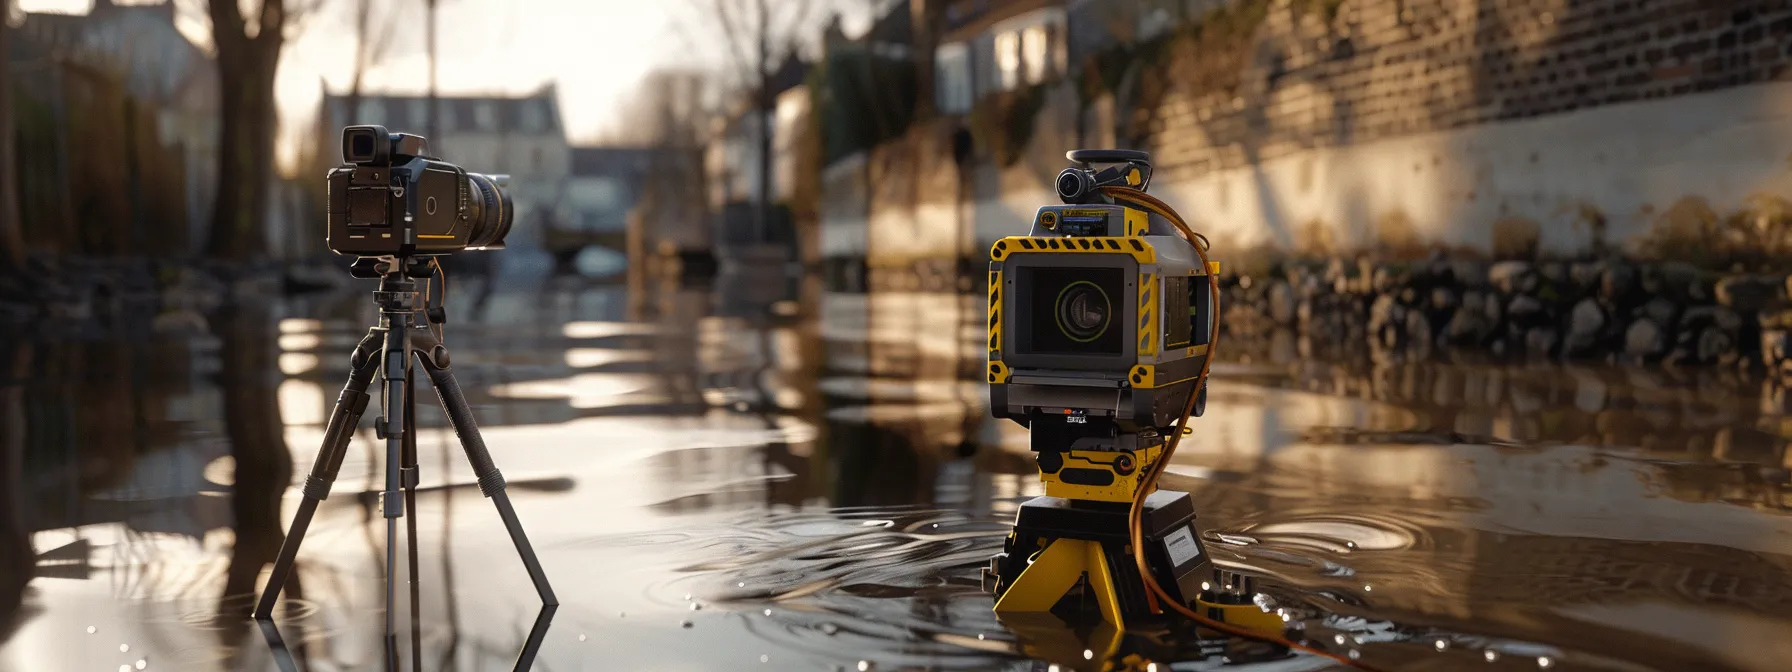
x=485, y=115
x=445, y=114
x=1036, y=49
x=532, y=122
x=369, y=113
x=1008, y=60
x=420, y=114
x=952, y=79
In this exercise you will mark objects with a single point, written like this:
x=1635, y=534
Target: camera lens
x=1083, y=311
x=1073, y=184
x=491, y=212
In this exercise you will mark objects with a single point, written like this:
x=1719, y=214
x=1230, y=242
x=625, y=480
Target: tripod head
x=374, y=268
x=396, y=276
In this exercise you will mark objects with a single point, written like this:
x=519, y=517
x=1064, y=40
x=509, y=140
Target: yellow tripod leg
x=1055, y=572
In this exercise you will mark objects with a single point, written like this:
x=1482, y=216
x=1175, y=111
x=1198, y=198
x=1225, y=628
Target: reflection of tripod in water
x=387, y=349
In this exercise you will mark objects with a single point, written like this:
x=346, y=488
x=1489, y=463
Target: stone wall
x=1420, y=122
x=1504, y=128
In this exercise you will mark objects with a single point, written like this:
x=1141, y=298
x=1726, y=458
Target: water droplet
x=1053, y=668
x=123, y=648
x=829, y=629
x=124, y=668
x=91, y=629
x=981, y=636
x=1367, y=588
x=1355, y=654
x=1544, y=662
x=864, y=666
x=1088, y=654
x=1339, y=639
x=1206, y=586
x=581, y=638
x=622, y=614
x=685, y=624
x=1152, y=667
x=695, y=606
x=1491, y=655
x=141, y=663
x=1441, y=645
x=687, y=597
x=768, y=612
x=764, y=658
x=740, y=584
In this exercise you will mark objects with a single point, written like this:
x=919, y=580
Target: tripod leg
x=460, y=416
x=396, y=356
x=343, y=420
x=410, y=477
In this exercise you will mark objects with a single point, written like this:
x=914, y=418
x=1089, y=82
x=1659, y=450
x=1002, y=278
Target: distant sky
x=595, y=50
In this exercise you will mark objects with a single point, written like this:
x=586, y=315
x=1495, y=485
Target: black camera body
x=392, y=198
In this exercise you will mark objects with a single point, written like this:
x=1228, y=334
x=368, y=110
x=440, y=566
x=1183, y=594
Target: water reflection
x=765, y=445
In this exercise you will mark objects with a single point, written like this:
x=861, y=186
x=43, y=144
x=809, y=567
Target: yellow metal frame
x=1123, y=487
x=1246, y=616
x=1131, y=245
x=1056, y=570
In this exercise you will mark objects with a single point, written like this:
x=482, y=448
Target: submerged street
x=716, y=481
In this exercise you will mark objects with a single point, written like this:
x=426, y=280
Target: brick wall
x=1388, y=68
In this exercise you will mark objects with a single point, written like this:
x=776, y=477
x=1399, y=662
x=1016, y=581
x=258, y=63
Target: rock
x=1495, y=310
x=1473, y=300
x=1281, y=303
x=1512, y=277
x=1721, y=317
x=1418, y=330
x=1715, y=345
x=1751, y=293
x=1586, y=275
x=1555, y=272
x=1523, y=308
x=1382, y=281
x=1616, y=281
x=1662, y=311
x=1540, y=340
x=1467, y=327
x=1585, y=323
x=1645, y=338
x=1442, y=299
x=1387, y=319
x=1469, y=272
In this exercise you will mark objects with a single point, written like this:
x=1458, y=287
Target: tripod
x=387, y=350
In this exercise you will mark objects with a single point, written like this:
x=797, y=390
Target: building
x=521, y=136
x=160, y=69
x=989, y=46
x=605, y=186
x=734, y=173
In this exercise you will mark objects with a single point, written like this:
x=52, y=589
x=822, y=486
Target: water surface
x=761, y=476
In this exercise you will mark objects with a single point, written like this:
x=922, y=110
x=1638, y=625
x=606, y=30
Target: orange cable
x=1135, y=516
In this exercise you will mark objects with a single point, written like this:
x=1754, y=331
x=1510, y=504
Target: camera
x=1099, y=317
x=392, y=198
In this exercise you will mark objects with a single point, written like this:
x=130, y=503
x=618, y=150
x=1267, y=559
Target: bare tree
x=248, y=55
x=12, y=239
x=759, y=39
x=370, y=25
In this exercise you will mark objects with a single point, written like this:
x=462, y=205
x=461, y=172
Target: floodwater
x=728, y=479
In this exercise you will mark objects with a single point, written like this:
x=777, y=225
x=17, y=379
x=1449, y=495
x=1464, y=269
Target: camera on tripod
x=392, y=198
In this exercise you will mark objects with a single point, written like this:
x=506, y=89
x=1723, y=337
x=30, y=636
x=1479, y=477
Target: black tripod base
x=399, y=343
x=1072, y=556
